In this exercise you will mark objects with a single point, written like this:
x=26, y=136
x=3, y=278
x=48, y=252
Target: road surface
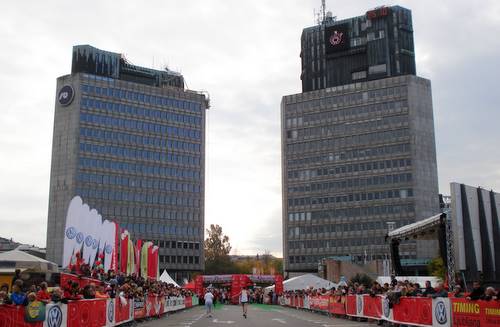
x=258, y=315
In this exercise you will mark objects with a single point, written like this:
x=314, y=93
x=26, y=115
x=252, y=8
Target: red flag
x=116, y=248
x=138, y=247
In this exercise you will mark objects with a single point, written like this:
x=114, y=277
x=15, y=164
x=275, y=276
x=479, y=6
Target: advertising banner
x=351, y=305
x=475, y=313
x=56, y=315
x=87, y=313
x=122, y=310
x=337, y=305
x=441, y=314
x=87, y=234
x=413, y=311
x=13, y=316
x=139, y=308
x=110, y=312
x=34, y=312
x=372, y=306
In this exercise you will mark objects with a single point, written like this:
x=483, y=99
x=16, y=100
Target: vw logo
x=440, y=313
x=71, y=232
x=111, y=311
x=79, y=237
x=359, y=302
x=108, y=248
x=88, y=241
x=66, y=95
x=94, y=244
x=386, y=307
x=54, y=317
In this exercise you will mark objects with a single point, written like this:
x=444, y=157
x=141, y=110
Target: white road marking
x=216, y=321
x=279, y=320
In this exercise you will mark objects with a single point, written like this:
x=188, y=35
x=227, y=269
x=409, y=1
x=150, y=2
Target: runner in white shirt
x=244, y=301
x=209, y=298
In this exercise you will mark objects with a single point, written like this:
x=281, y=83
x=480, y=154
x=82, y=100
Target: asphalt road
x=258, y=315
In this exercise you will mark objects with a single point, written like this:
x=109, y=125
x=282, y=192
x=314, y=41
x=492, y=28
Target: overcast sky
x=246, y=55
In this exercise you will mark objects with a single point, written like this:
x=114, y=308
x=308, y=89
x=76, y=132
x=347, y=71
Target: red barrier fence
x=95, y=312
x=415, y=311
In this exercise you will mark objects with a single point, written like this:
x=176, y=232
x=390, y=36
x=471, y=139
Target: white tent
x=165, y=277
x=16, y=259
x=304, y=282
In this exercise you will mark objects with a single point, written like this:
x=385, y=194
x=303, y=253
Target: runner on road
x=244, y=301
x=209, y=297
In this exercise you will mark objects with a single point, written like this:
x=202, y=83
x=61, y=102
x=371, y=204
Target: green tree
x=437, y=268
x=362, y=279
x=217, y=248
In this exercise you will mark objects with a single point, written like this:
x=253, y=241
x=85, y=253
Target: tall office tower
x=358, y=148
x=131, y=142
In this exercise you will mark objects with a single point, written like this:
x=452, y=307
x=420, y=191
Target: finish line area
x=258, y=315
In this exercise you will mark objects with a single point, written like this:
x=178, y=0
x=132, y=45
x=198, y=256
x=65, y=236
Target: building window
x=377, y=69
x=359, y=75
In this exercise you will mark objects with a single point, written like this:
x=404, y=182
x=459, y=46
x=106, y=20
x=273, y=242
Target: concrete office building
x=357, y=156
x=131, y=142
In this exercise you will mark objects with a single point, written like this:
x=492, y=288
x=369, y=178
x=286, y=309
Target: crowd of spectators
x=108, y=285
x=397, y=289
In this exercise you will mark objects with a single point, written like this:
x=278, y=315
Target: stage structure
x=468, y=231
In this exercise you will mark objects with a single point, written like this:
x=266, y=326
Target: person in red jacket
x=43, y=295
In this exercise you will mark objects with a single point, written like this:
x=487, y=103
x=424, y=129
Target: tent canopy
x=165, y=277
x=304, y=282
x=16, y=259
x=423, y=229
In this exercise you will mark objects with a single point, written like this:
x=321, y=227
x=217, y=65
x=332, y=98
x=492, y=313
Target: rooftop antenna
x=323, y=10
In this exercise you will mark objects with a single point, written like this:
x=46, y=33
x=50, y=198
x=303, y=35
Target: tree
x=363, y=279
x=437, y=268
x=217, y=248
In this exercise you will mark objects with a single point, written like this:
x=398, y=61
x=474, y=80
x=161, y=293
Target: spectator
x=43, y=295
x=100, y=293
x=457, y=292
x=490, y=294
x=57, y=295
x=4, y=298
x=429, y=290
x=477, y=292
x=18, y=297
x=439, y=291
x=88, y=292
x=112, y=288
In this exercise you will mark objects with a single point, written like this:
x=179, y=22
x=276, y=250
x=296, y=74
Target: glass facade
x=136, y=154
x=348, y=169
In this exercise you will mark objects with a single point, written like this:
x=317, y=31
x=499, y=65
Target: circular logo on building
x=54, y=317
x=440, y=313
x=71, y=232
x=94, y=244
x=66, y=95
x=336, y=38
x=108, y=248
